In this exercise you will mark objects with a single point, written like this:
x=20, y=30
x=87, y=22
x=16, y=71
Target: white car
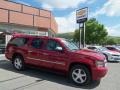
x=110, y=55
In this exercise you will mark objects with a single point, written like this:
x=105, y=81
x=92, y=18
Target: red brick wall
x=26, y=15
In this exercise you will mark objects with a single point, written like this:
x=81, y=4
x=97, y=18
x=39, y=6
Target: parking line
x=29, y=85
x=11, y=79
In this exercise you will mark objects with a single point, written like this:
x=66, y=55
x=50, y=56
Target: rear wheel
x=18, y=63
x=80, y=75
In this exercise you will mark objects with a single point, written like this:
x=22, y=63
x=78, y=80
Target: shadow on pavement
x=45, y=75
x=113, y=62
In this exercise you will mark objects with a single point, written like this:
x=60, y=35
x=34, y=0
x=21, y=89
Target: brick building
x=16, y=17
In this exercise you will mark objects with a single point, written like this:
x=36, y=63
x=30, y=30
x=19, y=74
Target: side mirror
x=59, y=48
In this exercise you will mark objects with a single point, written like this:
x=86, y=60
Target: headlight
x=100, y=63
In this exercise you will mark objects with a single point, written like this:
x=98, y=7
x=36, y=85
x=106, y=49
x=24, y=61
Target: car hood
x=91, y=54
x=111, y=52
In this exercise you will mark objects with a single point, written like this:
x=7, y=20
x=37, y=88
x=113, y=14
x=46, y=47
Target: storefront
x=15, y=17
x=2, y=43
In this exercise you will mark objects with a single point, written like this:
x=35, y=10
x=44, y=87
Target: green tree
x=95, y=32
x=111, y=41
x=68, y=35
x=76, y=36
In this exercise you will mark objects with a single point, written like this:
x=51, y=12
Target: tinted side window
x=111, y=48
x=52, y=45
x=19, y=41
x=37, y=43
x=93, y=48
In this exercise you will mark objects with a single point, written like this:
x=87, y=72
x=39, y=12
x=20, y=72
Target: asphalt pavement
x=36, y=79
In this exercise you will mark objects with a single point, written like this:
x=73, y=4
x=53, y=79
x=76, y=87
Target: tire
x=80, y=75
x=18, y=63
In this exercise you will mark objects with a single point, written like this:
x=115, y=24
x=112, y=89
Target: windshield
x=118, y=48
x=70, y=45
x=103, y=48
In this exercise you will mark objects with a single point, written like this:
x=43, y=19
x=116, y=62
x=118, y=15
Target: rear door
x=34, y=50
x=17, y=45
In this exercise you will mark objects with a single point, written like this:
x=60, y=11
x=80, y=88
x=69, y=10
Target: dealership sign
x=82, y=15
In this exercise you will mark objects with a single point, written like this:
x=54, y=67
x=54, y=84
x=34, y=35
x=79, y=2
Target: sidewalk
x=2, y=57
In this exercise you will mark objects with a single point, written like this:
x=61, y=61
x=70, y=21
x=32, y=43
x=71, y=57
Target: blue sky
x=107, y=12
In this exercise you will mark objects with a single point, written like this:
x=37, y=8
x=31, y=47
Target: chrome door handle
x=45, y=54
x=29, y=51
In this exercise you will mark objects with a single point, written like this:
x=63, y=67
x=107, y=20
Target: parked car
x=82, y=66
x=2, y=48
x=113, y=48
x=110, y=55
x=118, y=47
x=0, y=51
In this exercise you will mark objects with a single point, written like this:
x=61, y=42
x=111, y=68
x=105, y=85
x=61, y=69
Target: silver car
x=110, y=55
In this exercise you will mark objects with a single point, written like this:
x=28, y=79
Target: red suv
x=57, y=54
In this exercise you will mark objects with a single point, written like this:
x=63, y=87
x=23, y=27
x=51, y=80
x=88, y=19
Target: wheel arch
x=16, y=54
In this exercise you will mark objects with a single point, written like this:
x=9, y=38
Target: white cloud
x=114, y=31
x=91, y=1
x=19, y=1
x=62, y=4
x=110, y=8
x=67, y=23
x=47, y=6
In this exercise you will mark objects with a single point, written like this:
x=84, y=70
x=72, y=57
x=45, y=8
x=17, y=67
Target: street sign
x=82, y=15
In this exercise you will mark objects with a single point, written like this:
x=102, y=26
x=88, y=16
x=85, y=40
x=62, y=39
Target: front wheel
x=80, y=75
x=18, y=63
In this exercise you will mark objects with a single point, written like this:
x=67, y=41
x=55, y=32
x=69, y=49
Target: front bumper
x=99, y=72
x=114, y=58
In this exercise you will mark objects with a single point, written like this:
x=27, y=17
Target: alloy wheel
x=79, y=76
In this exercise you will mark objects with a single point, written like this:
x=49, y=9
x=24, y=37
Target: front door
x=56, y=55
x=34, y=50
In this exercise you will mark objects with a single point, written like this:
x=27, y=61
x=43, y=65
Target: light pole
x=79, y=36
x=84, y=35
x=81, y=18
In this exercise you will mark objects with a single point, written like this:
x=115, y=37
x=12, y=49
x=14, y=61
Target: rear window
x=110, y=48
x=19, y=41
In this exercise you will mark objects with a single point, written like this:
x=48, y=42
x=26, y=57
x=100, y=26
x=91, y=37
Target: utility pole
x=79, y=36
x=84, y=35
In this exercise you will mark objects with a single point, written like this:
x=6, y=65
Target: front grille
x=116, y=55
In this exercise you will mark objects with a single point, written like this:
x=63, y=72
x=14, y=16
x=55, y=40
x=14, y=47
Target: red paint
x=57, y=60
